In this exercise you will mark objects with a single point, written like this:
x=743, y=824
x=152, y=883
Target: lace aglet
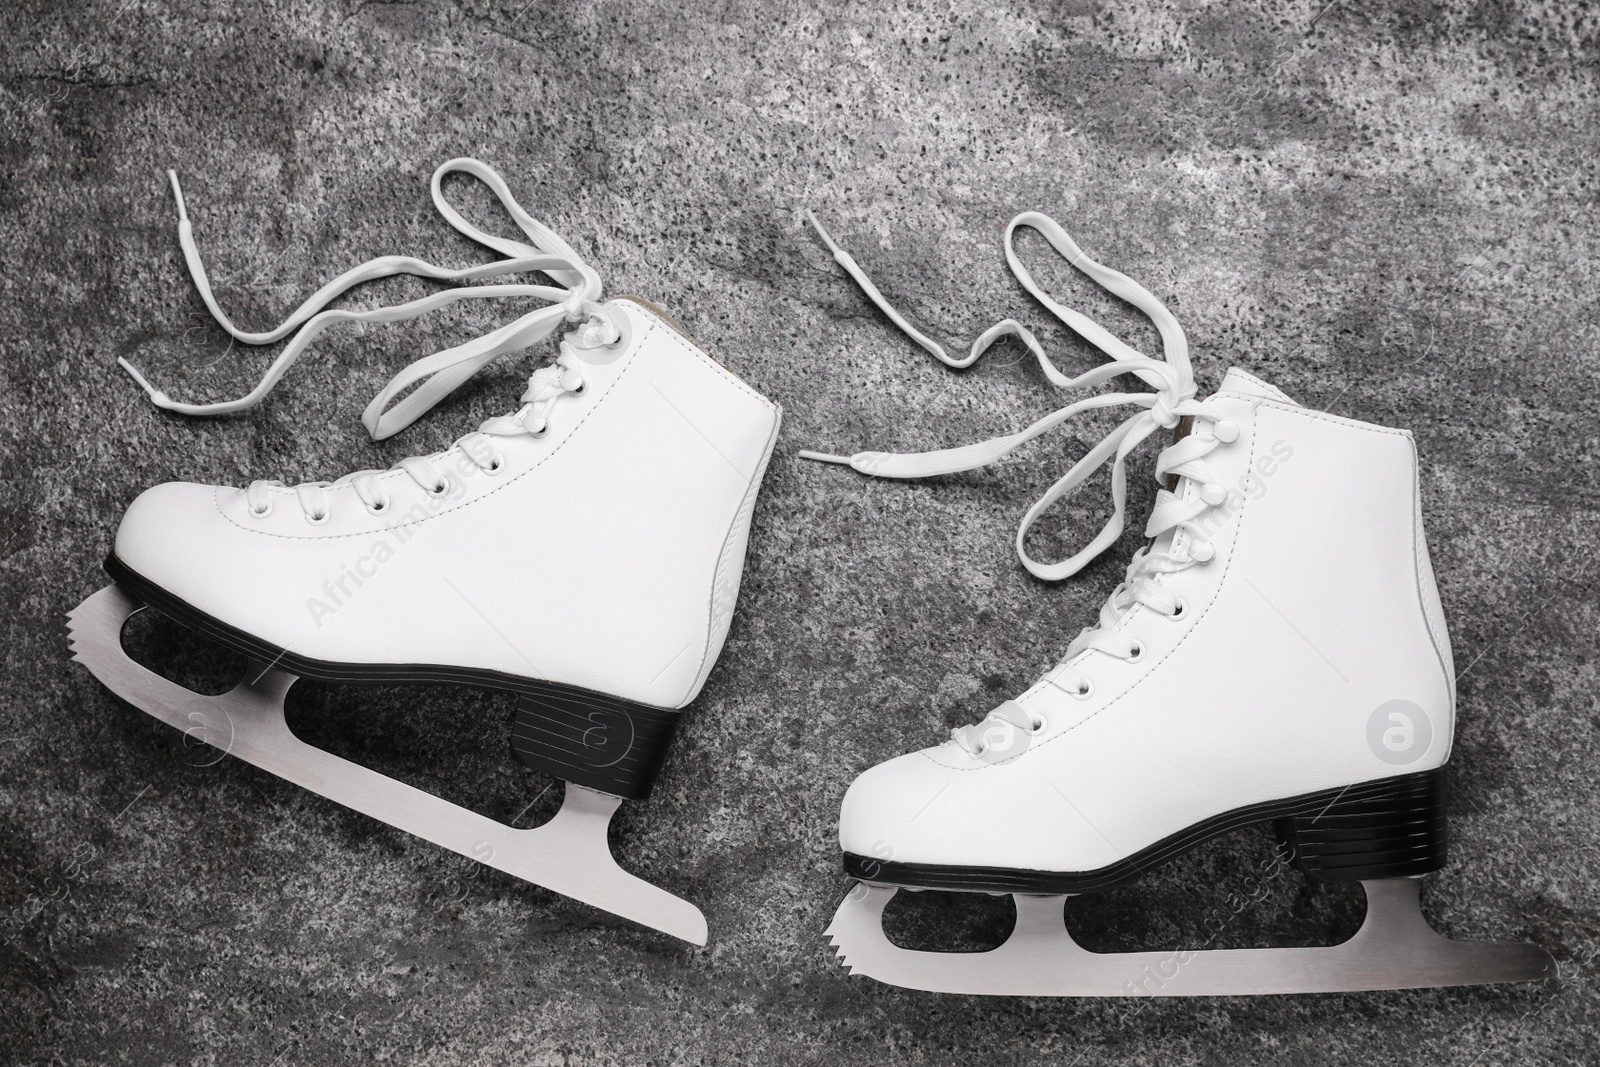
x=157, y=397
x=824, y=457
x=177, y=194
x=815, y=225
x=833, y=246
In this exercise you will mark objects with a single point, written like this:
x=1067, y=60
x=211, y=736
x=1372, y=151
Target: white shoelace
x=574, y=299
x=1172, y=400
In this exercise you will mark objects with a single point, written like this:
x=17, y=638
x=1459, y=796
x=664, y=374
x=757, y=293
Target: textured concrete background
x=1386, y=210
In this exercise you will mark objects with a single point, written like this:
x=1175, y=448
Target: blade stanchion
x=569, y=854
x=1394, y=949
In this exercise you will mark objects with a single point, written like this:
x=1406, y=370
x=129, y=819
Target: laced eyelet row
x=544, y=387
x=571, y=287
x=496, y=465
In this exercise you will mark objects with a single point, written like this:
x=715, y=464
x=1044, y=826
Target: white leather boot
x=1276, y=652
x=584, y=552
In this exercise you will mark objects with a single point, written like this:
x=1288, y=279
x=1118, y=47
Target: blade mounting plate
x=1394, y=949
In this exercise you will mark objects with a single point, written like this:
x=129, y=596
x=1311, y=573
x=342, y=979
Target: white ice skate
x=1276, y=652
x=584, y=553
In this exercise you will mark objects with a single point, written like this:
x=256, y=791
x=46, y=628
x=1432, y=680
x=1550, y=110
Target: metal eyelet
x=1036, y=726
x=320, y=518
x=379, y=508
x=1178, y=612
x=1136, y=654
x=441, y=489
x=583, y=387
x=497, y=463
x=1084, y=691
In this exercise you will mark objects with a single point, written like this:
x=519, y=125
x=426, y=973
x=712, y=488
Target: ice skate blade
x=1394, y=949
x=568, y=854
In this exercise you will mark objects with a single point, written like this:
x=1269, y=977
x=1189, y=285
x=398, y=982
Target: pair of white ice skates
x=1276, y=652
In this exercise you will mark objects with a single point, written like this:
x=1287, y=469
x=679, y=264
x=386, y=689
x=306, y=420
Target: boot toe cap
x=904, y=811
x=176, y=536
x=919, y=809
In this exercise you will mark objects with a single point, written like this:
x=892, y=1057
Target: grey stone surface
x=1387, y=210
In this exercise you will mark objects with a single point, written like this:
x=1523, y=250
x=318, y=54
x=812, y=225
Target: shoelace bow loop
x=573, y=299
x=1172, y=399
x=1171, y=378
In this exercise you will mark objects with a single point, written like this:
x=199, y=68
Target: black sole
x=593, y=739
x=1388, y=828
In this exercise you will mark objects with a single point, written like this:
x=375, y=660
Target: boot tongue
x=1240, y=381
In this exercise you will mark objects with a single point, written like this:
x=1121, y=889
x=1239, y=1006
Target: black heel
x=1393, y=828
x=593, y=740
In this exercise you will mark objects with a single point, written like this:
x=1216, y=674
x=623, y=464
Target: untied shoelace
x=574, y=299
x=1173, y=398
